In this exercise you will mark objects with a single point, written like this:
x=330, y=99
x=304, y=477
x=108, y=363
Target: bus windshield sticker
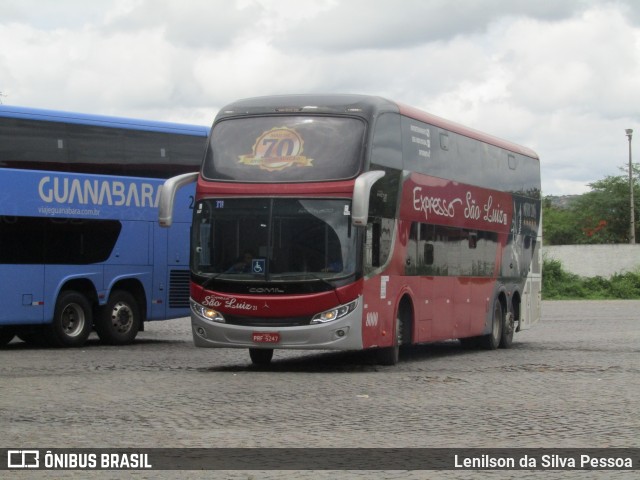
x=258, y=265
x=384, y=279
x=277, y=149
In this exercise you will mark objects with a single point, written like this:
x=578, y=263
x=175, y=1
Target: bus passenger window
x=372, y=246
x=378, y=242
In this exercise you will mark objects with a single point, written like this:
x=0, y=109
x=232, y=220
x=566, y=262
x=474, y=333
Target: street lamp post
x=632, y=227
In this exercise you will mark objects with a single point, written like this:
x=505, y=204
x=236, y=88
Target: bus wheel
x=508, y=328
x=391, y=355
x=6, y=335
x=261, y=356
x=492, y=340
x=72, y=320
x=119, y=320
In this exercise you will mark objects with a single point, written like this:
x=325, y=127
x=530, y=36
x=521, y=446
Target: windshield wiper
x=309, y=274
x=230, y=277
x=210, y=279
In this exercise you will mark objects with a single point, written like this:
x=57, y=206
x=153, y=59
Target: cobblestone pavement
x=571, y=381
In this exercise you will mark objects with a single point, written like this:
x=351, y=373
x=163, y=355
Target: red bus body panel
x=446, y=304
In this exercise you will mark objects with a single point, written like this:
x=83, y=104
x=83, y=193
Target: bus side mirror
x=168, y=196
x=361, y=194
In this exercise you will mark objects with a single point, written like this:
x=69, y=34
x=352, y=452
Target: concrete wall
x=595, y=260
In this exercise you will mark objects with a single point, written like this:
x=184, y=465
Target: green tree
x=598, y=216
x=559, y=225
x=603, y=213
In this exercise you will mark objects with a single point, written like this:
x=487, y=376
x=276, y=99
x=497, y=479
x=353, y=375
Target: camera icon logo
x=23, y=459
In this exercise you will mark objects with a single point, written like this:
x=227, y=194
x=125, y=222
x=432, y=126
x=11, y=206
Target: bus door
x=417, y=264
x=443, y=298
x=532, y=292
x=461, y=306
x=424, y=327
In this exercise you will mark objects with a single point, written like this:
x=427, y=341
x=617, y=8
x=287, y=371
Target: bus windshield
x=285, y=149
x=281, y=239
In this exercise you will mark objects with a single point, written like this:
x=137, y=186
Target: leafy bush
x=626, y=285
x=558, y=284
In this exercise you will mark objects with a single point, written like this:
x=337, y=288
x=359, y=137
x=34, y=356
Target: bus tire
x=72, y=320
x=492, y=340
x=6, y=335
x=391, y=355
x=261, y=356
x=119, y=320
x=508, y=327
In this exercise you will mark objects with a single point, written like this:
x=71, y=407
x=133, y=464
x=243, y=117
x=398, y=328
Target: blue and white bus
x=80, y=247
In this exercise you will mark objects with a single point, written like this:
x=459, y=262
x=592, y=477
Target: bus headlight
x=334, y=314
x=207, y=313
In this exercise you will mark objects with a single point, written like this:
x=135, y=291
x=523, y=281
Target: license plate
x=266, y=337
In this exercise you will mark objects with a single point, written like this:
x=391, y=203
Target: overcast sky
x=559, y=76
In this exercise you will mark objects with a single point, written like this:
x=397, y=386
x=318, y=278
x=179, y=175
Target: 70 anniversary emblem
x=277, y=149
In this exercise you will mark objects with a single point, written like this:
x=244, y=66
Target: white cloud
x=382, y=24
x=560, y=77
x=193, y=24
x=583, y=63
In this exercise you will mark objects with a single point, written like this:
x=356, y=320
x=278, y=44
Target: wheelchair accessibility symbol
x=258, y=265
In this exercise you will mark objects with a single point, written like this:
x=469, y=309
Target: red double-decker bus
x=352, y=222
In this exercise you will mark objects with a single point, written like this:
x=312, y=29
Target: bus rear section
x=352, y=222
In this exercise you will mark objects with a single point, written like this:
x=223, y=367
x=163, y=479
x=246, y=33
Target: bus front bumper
x=342, y=334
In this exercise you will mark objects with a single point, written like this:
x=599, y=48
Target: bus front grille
x=267, y=322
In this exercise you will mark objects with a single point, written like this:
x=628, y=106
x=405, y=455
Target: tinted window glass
x=441, y=251
x=33, y=240
x=25, y=144
x=100, y=150
x=378, y=243
x=95, y=149
x=282, y=238
x=387, y=148
x=430, y=150
x=133, y=153
x=285, y=149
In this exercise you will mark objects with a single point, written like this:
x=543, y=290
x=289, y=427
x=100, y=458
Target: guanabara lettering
x=97, y=192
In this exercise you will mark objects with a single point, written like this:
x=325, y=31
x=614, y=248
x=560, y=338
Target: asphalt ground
x=572, y=381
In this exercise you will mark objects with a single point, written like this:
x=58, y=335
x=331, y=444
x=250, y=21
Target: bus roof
x=445, y=124
x=44, y=115
x=364, y=105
